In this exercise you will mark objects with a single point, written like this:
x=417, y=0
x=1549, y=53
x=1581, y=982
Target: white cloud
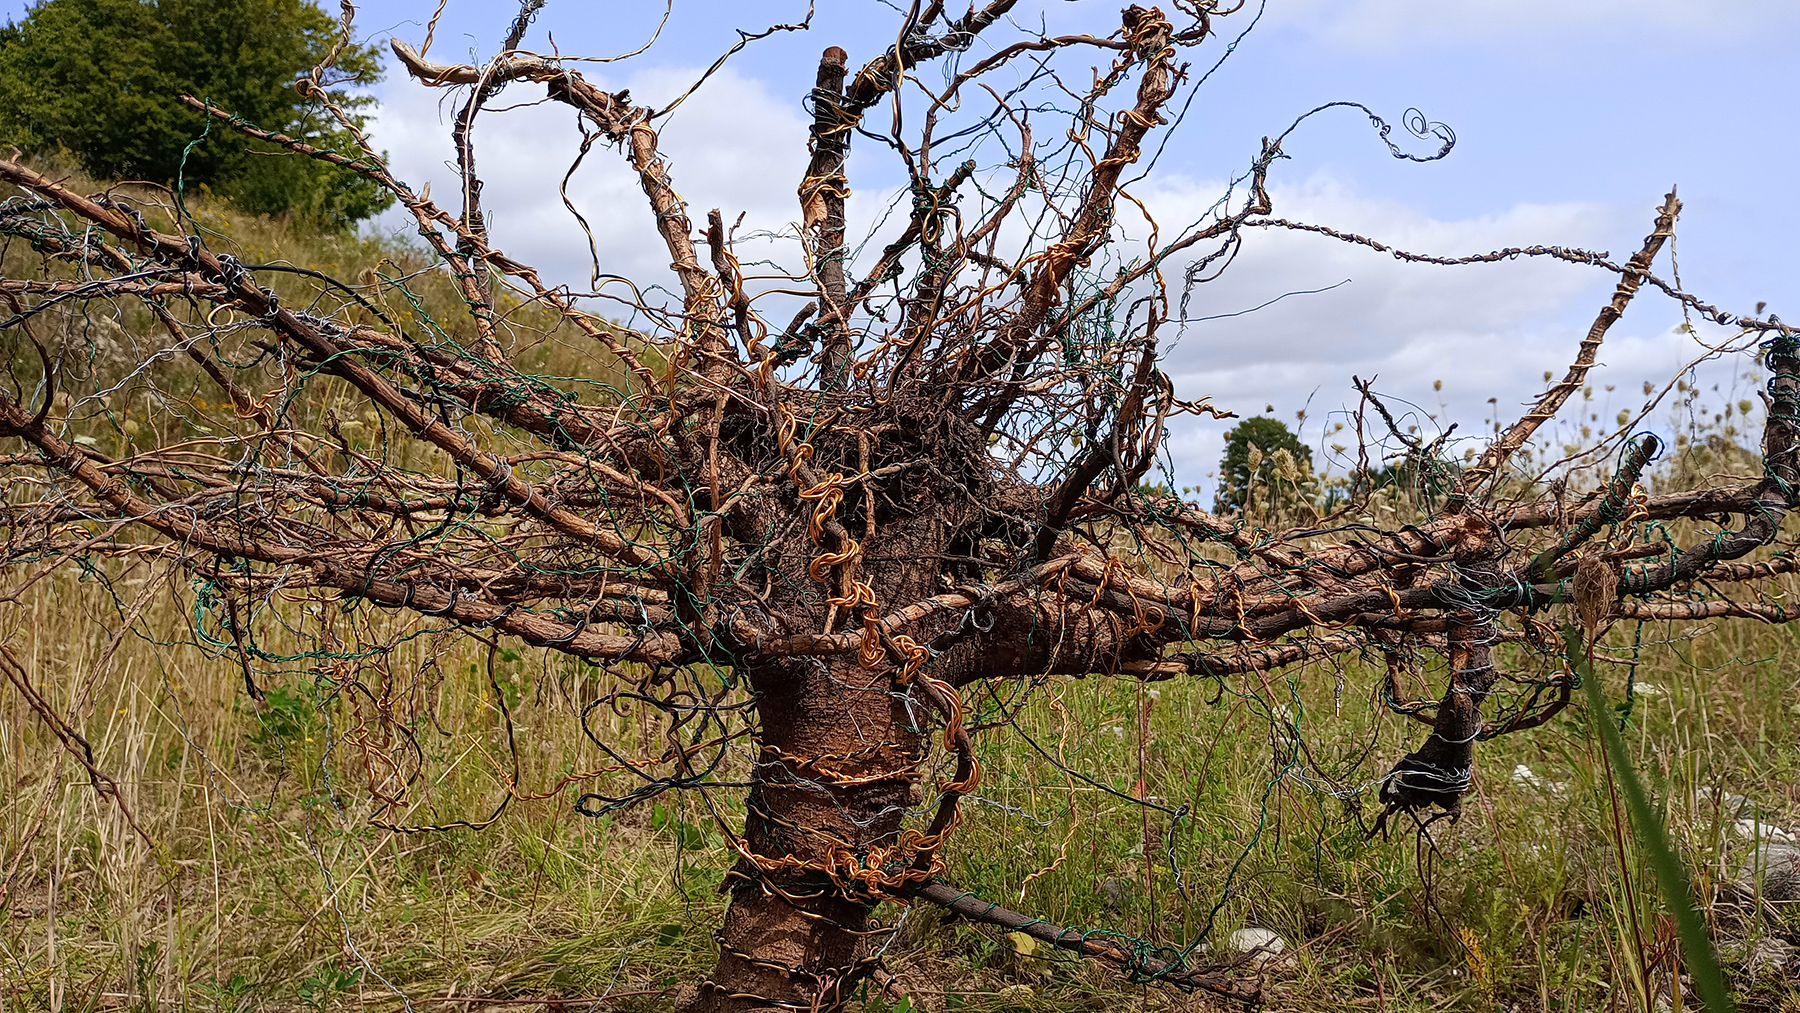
x=1485, y=330
x=731, y=146
x=1402, y=24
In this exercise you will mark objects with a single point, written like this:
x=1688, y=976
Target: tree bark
x=822, y=196
x=838, y=764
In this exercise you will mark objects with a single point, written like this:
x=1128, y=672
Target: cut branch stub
x=822, y=196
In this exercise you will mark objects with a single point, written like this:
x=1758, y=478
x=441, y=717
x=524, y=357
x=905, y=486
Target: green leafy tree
x=101, y=80
x=1261, y=449
x=1419, y=473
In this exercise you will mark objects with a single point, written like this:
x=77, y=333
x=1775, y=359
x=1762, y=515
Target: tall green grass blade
x=1671, y=880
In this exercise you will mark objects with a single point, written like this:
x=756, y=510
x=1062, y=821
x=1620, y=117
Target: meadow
x=267, y=887
x=294, y=853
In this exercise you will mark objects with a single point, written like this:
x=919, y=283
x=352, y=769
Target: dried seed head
x=1595, y=587
x=1284, y=465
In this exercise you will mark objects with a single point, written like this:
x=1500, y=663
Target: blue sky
x=1572, y=117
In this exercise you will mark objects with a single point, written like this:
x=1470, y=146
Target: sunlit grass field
x=267, y=887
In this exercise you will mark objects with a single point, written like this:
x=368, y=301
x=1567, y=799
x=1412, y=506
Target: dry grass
x=263, y=884
x=266, y=887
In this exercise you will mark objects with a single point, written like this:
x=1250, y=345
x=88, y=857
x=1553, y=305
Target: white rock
x=1770, y=958
x=1258, y=947
x=1757, y=830
x=1732, y=803
x=1765, y=958
x=1526, y=777
x=1776, y=867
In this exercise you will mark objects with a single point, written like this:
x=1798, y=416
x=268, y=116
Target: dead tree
x=928, y=476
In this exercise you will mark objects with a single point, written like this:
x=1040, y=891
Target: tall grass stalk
x=1671, y=880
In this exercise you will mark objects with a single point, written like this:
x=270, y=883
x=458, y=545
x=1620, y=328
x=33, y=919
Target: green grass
x=268, y=888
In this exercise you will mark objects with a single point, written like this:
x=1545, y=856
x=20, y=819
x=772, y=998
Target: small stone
x=1764, y=958
x=1525, y=777
x=1256, y=947
x=1732, y=803
x=1776, y=867
x=1665, y=1002
x=1757, y=830
x=1770, y=958
x=1117, y=892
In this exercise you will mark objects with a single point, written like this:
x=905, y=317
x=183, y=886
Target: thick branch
x=1501, y=450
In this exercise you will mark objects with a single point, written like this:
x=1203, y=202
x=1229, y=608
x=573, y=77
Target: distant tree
x=1420, y=473
x=102, y=81
x=1252, y=457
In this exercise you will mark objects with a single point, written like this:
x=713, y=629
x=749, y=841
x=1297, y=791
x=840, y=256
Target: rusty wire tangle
x=811, y=515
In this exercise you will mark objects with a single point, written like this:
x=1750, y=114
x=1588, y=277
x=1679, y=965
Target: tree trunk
x=837, y=770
